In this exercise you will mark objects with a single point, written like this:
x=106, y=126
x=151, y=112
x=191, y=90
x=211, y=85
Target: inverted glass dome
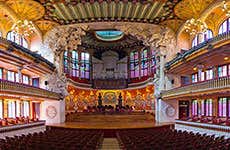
x=109, y=35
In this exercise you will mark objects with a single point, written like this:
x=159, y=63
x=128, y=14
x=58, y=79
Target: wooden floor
x=112, y=122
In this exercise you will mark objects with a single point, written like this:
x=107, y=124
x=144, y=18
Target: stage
x=99, y=121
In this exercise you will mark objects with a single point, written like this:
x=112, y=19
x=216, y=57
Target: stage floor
x=120, y=125
x=112, y=122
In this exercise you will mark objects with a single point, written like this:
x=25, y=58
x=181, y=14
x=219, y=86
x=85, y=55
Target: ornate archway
x=157, y=37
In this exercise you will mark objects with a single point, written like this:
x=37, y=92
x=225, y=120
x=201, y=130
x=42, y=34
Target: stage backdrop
x=79, y=99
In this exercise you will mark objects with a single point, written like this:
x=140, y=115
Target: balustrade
x=219, y=83
x=18, y=88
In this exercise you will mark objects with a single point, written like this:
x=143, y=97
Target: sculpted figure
x=57, y=83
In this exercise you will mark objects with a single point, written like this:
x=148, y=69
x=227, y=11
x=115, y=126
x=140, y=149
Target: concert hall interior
x=114, y=74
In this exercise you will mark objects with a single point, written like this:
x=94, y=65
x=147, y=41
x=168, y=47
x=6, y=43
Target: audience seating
x=208, y=119
x=165, y=139
x=17, y=120
x=55, y=139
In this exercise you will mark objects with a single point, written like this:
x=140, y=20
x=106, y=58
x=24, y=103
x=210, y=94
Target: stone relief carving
x=170, y=111
x=60, y=39
x=64, y=38
x=57, y=83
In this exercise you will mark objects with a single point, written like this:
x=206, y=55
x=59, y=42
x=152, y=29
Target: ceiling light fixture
x=195, y=26
x=23, y=27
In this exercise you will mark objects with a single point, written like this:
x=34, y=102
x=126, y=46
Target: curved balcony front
x=12, y=89
x=220, y=85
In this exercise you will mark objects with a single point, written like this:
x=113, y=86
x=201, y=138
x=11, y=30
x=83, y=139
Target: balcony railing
x=205, y=44
x=220, y=83
x=8, y=87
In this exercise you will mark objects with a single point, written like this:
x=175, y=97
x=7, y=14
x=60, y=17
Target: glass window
x=75, y=64
x=207, y=35
x=11, y=109
x=35, y=82
x=228, y=107
x=194, y=108
x=195, y=41
x=12, y=36
x=144, y=63
x=1, y=73
x=1, y=109
x=224, y=27
x=203, y=107
x=202, y=76
x=134, y=64
x=229, y=69
x=16, y=77
x=85, y=65
x=222, y=107
x=222, y=71
x=208, y=107
x=18, y=108
x=209, y=74
x=10, y=76
x=25, y=79
x=194, y=78
x=25, y=109
x=201, y=37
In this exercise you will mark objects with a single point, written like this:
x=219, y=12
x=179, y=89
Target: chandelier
x=195, y=26
x=23, y=27
x=226, y=8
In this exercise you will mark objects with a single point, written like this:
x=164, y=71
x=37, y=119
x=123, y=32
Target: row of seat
x=55, y=139
x=166, y=139
x=18, y=120
x=209, y=119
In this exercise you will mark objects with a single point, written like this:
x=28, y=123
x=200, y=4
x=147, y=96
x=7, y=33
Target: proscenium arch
x=68, y=37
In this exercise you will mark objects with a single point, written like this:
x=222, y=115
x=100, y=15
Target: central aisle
x=110, y=144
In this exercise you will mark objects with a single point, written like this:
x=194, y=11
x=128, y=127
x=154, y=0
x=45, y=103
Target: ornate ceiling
x=47, y=14
x=188, y=9
x=150, y=11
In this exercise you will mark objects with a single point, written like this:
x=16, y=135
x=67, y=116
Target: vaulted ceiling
x=47, y=14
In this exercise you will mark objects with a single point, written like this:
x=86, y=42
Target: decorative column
x=20, y=74
x=200, y=68
x=199, y=107
x=70, y=63
x=91, y=68
x=149, y=60
x=128, y=68
x=162, y=55
x=60, y=39
x=215, y=106
x=139, y=62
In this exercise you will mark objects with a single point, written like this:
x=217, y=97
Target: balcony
x=221, y=38
x=12, y=88
x=206, y=87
